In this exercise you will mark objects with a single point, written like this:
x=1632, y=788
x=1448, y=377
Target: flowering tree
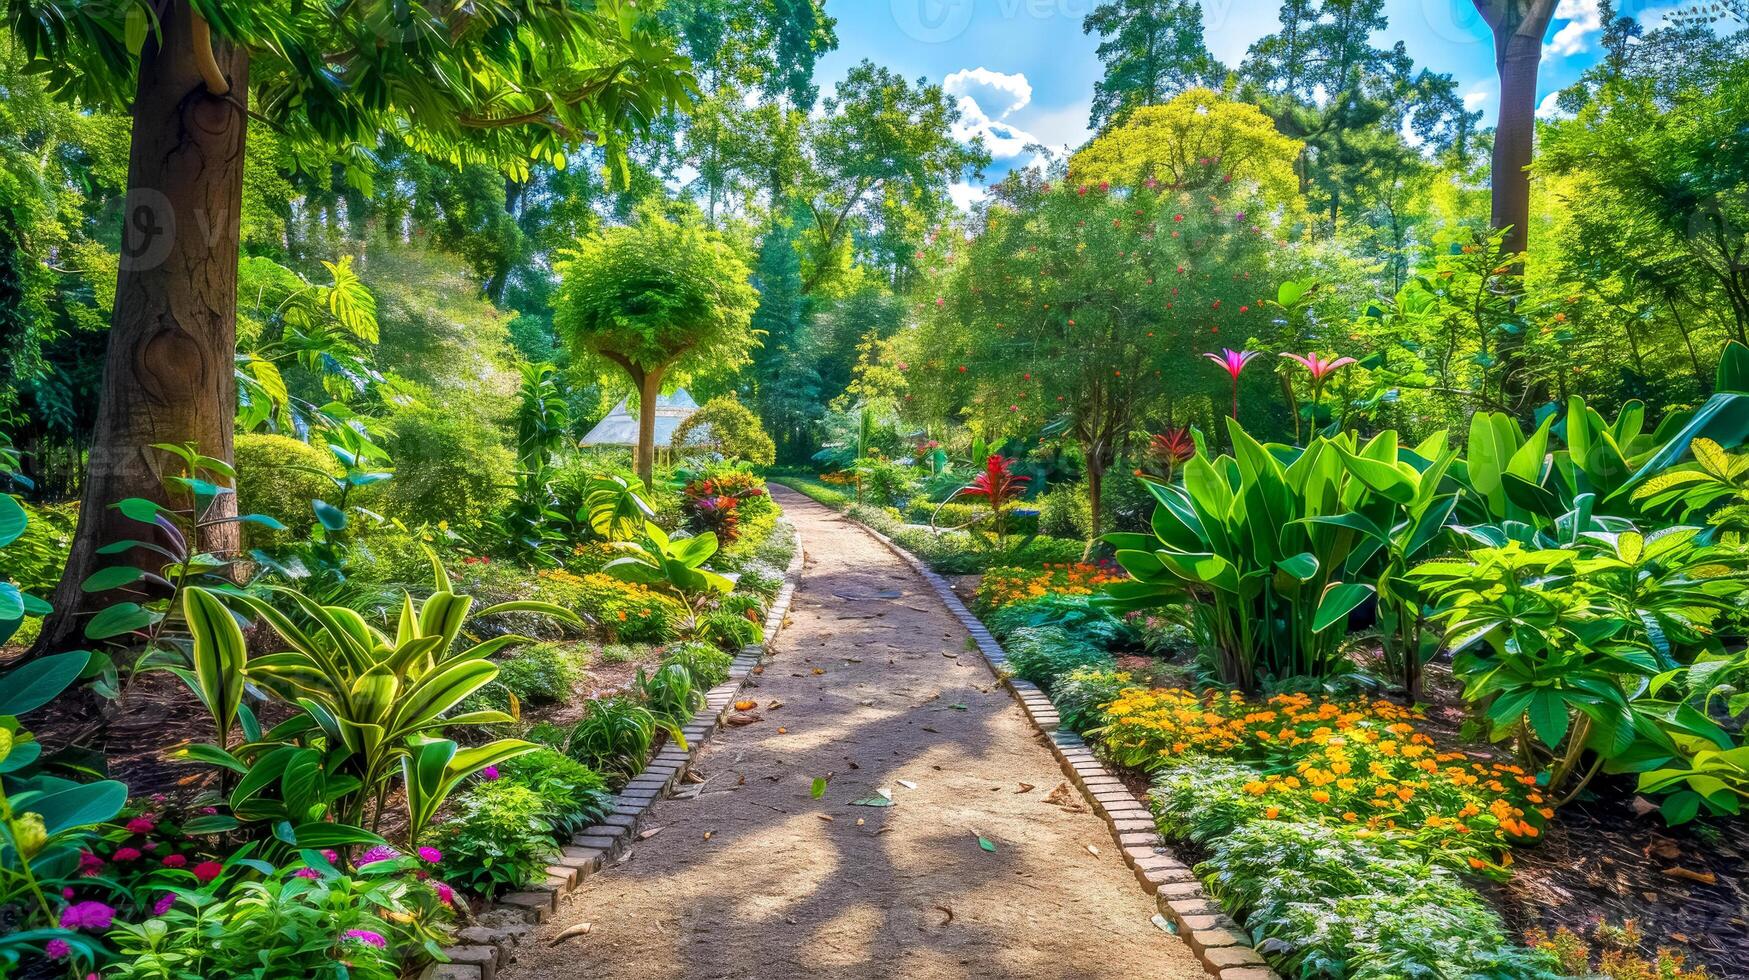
x=1074, y=307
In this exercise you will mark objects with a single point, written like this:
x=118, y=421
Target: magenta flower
x=175, y=861
x=378, y=853
x=87, y=915
x=1320, y=369
x=1234, y=361
x=208, y=870
x=127, y=854
x=368, y=938
x=57, y=949
x=445, y=893
x=141, y=825
x=310, y=874
x=489, y=774
x=430, y=855
x=162, y=905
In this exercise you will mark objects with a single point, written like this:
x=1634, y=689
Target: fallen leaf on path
x=818, y=671
x=646, y=835
x=1093, y=849
x=947, y=911
x=746, y=705
x=929, y=729
x=707, y=835
x=872, y=801
x=825, y=816
x=580, y=929
x=986, y=843
x=1063, y=797
x=957, y=707
x=1165, y=925
x=907, y=784
x=819, y=788
x=743, y=719
x=885, y=793
x=1699, y=877
x=859, y=821
x=783, y=731
x=1026, y=788
x=949, y=654
x=773, y=704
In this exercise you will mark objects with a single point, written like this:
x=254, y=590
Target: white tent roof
x=620, y=428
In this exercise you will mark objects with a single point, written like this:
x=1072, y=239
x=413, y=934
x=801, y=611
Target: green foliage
x=1203, y=799
x=541, y=673
x=498, y=838
x=1082, y=693
x=1063, y=512
x=1335, y=901
x=451, y=466
x=729, y=629
x=328, y=927
x=1042, y=654
x=708, y=665
x=274, y=478
x=614, y=509
x=727, y=428
x=1076, y=615
x=614, y=736
x=670, y=693
x=674, y=566
x=573, y=796
x=1149, y=48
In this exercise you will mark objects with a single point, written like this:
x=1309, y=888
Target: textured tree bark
x=168, y=371
x=649, y=390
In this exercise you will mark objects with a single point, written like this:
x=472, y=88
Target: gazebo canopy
x=620, y=427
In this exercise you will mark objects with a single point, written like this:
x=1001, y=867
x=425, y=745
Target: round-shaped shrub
x=708, y=665
x=1042, y=654
x=495, y=840
x=272, y=479
x=727, y=427
x=450, y=465
x=541, y=673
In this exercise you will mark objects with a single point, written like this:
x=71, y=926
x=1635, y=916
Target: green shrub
x=670, y=693
x=542, y=673
x=729, y=630
x=1081, y=693
x=34, y=561
x=613, y=737
x=1074, y=614
x=726, y=427
x=497, y=839
x=708, y=665
x=390, y=557
x=779, y=547
x=573, y=796
x=1041, y=654
x=1199, y=799
x=1063, y=512
x=760, y=579
x=272, y=480
x=450, y=465
x=1329, y=901
x=622, y=653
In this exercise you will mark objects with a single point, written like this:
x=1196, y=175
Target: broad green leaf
x=1337, y=603
x=39, y=681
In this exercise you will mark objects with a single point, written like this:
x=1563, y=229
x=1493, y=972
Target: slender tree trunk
x=168, y=372
x=649, y=390
x=1095, y=498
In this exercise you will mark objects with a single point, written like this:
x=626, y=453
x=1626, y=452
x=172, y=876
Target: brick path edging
x=484, y=949
x=1218, y=942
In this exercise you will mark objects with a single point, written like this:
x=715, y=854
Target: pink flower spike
x=1318, y=367
x=1233, y=360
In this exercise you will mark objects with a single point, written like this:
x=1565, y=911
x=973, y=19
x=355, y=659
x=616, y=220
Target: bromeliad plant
x=999, y=487
x=370, y=707
x=1244, y=533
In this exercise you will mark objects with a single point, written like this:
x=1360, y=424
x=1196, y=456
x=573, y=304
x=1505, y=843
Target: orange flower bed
x=1359, y=762
x=1001, y=586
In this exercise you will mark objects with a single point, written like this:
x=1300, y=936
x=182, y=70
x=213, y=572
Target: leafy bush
x=450, y=465
x=498, y=839
x=573, y=796
x=759, y=579
x=626, y=611
x=1064, y=512
x=670, y=693
x=724, y=426
x=1081, y=693
x=34, y=561
x=1330, y=901
x=388, y=556
x=1199, y=798
x=273, y=479
x=542, y=673
x=1041, y=654
x=729, y=630
x=1074, y=614
x=341, y=928
x=708, y=665
x=614, y=736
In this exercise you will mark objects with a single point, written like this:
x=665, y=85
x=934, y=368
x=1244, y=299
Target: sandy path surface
x=871, y=686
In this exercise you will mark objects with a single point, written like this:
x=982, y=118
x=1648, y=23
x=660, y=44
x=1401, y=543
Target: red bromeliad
x=999, y=486
x=1172, y=447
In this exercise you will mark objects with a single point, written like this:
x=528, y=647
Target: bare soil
x=872, y=688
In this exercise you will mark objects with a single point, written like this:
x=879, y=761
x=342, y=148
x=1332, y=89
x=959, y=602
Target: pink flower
x=89, y=863
x=208, y=870
x=127, y=854
x=162, y=905
x=175, y=861
x=1319, y=367
x=141, y=825
x=489, y=774
x=368, y=938
x=378, y=853
x=57, y=949
x=87, y=915
x=430, y=855
x=445, y=893
x=1233, y=360
x=309, y=873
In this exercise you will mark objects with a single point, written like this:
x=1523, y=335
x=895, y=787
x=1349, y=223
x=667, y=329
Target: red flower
x=208, y=870
x=175, y=861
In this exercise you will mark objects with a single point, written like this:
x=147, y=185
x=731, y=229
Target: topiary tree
x=727, y=427
x=660, y=301
x=274, y=477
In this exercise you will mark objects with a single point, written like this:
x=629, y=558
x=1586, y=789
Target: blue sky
x=1029, y=70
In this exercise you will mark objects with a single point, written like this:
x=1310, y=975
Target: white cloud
x=1583, y=19
x=965, y=195
x=986, y=100
x=997, y=93
x=1549, y=108
x=1476, y=99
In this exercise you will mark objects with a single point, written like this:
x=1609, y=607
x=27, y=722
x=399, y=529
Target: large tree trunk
x=168, y=372
x=1519, y=27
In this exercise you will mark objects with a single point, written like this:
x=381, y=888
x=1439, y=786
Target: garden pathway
x=872, y=686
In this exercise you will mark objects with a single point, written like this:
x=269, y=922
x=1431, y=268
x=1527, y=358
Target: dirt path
x=877, y=690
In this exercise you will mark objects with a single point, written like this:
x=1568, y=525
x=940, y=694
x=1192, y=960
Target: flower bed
x=1001, y=586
